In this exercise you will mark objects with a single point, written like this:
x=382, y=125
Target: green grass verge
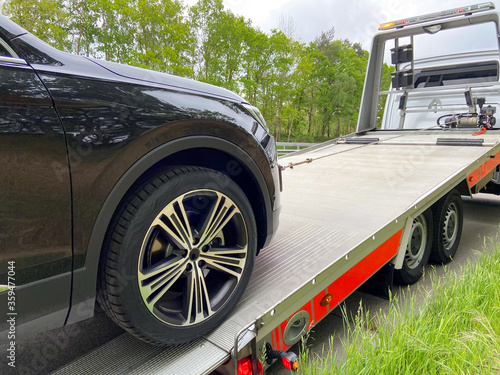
x=454, y=330
x=3, y=288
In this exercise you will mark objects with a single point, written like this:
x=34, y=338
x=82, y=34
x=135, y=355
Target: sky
x=356, y=20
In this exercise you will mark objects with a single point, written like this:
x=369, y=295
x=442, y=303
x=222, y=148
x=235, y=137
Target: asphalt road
x=49, y=351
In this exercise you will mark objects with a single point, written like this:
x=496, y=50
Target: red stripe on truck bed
x=363, y=270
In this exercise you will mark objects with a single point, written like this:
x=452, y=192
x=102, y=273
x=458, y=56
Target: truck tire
x=418, y=250
x=448, y=219
x=178, y=256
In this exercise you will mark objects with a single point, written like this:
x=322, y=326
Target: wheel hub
x=416, y=245
x=416, y=241
x=194, y=254
x=450, y=227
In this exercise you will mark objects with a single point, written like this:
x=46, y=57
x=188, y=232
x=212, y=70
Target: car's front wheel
x=178, y=256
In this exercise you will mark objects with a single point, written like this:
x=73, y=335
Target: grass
x=454, y=330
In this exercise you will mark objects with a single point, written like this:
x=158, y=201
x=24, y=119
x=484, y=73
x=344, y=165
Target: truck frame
x=375, y=200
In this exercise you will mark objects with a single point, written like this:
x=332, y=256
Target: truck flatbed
x=336, y=231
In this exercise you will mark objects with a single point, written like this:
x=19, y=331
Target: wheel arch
x=202, y=151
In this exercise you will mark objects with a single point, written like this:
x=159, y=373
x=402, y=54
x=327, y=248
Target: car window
x=4, y=49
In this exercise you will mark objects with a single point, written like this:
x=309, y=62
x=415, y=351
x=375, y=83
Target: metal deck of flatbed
x=336, y=210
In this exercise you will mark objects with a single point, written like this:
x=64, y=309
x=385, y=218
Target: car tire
x=448, y=218
x=178, y=255
x=418, y=250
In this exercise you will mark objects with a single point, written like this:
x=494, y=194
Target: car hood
x=149, y=76
x=44, y=57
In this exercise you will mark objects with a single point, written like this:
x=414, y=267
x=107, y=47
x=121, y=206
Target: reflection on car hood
x=150, y=76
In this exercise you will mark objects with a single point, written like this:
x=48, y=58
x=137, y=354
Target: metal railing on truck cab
x=445, y=62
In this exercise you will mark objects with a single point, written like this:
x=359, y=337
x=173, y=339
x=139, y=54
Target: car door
x=35, y=201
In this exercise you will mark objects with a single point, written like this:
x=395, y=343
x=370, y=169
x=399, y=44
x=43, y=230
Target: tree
x=47, y=19
x=162, y=39
x=221, y=43
x=286, y=25
x=279, y=90
x=256, y=65
x=82, y=25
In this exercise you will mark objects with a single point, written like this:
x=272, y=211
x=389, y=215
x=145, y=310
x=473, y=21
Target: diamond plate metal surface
x=128, y=355
x=198, y=357
x=118, y=356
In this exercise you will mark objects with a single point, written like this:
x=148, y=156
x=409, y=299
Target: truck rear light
x=290, y=363
x=290, y=360
x=245, y=366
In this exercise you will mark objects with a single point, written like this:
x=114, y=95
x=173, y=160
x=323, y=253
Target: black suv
x=148, y=193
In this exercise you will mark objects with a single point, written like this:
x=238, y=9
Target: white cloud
x=356, y=20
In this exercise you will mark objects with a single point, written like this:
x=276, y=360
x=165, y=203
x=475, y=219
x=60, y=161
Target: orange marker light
x=386, y=25
x=289, y=365
x=326, y=300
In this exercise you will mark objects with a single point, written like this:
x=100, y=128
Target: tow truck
x=383, y=201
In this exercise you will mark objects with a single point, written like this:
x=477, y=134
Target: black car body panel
x=35, y=207
x=173, y=82
x=113, y=124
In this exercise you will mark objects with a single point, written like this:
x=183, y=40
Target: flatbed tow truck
x=380, y=199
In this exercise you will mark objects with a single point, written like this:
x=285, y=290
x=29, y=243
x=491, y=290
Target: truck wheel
x=448, y=216
x=178, y=256
x=418, y=250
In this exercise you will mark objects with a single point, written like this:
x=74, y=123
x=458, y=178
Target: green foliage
x=306, y=92
x=220, y=44
x=162, y=37
x=45, y=18
x=454, y=330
